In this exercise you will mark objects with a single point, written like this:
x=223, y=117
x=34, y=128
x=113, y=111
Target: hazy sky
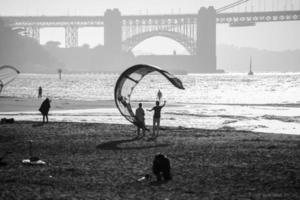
x=272, y=36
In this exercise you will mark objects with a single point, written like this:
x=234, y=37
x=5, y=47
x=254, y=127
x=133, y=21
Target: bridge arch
x=186, y=42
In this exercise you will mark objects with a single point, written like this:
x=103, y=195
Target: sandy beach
x=103, y=161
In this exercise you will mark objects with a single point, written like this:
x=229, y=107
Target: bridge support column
x=113, y=31
x=33, y=32
x=206, y=39
x=71, y=36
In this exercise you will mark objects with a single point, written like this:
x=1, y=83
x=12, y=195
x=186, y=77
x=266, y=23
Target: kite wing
x=7, y=75
x=128, y=81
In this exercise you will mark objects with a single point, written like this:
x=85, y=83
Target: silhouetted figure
x=59, y=73
x=44, y=109
x=140, y=120
x=159, y=95
x=1, y=85
x=250, y=71
x=156, y=118
x=161, y=168
x=40, y=92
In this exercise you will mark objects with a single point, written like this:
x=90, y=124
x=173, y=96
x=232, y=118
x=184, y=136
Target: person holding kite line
x=156, y=118
x=140, y=120
x=125, y=87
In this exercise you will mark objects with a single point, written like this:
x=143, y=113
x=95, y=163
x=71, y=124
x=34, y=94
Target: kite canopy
x=128, y=81
x=7, y=75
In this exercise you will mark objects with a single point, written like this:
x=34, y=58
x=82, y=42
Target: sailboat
x=250, y=72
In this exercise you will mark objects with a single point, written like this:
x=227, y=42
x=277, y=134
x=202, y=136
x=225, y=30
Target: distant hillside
x=232, y=58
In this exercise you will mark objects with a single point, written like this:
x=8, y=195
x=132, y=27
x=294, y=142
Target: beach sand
x=103, y=161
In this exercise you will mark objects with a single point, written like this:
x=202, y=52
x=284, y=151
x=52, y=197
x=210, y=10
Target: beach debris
x=129, y=79
x=146, y=177
x=7, y=74
x=7, y=120
x=32, y=160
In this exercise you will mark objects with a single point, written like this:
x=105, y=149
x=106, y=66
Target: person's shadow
x=114, y=145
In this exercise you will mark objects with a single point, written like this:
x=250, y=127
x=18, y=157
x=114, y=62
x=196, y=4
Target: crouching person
x=161, y=168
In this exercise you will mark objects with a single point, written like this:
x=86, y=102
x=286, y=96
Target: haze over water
x=263, y=102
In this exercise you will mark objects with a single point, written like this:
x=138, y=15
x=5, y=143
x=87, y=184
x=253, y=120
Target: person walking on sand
x=40, y=91
x=140, y=120
x=44, y=109
x=156, y=118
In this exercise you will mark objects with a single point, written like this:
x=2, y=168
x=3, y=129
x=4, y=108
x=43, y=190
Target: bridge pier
x=33, y=32
x=113, y=31
x=71, y=36
x=206, y=39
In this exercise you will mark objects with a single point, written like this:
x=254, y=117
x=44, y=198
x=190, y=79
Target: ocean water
x=266, y=102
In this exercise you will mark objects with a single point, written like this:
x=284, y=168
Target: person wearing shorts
x=156, y=118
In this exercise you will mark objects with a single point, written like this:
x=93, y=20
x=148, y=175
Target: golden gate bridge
x=196, y=32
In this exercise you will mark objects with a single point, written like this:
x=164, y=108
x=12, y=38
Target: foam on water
x=264, y=102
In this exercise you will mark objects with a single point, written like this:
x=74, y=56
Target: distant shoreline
x=18, y=104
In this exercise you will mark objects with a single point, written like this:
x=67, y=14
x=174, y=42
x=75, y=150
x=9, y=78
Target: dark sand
x=102, y=161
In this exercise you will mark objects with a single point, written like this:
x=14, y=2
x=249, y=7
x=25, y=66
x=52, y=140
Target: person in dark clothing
x=40, y=92
x=1, y=85
x=140, y=120
x=161, y=168
x=159, y=95
x=44, y=109
x=156, y=118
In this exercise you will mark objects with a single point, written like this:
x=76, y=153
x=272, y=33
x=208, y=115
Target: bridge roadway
x=196, y=32
x=98, y=21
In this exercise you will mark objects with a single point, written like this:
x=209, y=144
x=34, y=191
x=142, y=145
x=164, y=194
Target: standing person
x=1, y=86
x=44, y=109
x=156, y=117
x=40, y=91
x=159, y=95
x=140, y=119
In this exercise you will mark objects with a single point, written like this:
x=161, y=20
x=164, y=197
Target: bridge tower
x=206, y=39
x=71, y=36
x=33, y=32
x=113, y=31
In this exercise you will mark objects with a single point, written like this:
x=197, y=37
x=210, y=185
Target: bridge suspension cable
x=219, y=10
x=260, y=6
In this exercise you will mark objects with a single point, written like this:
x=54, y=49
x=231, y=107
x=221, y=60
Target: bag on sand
x=7, y=121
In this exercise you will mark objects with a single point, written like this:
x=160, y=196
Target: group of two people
x=140, y=119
